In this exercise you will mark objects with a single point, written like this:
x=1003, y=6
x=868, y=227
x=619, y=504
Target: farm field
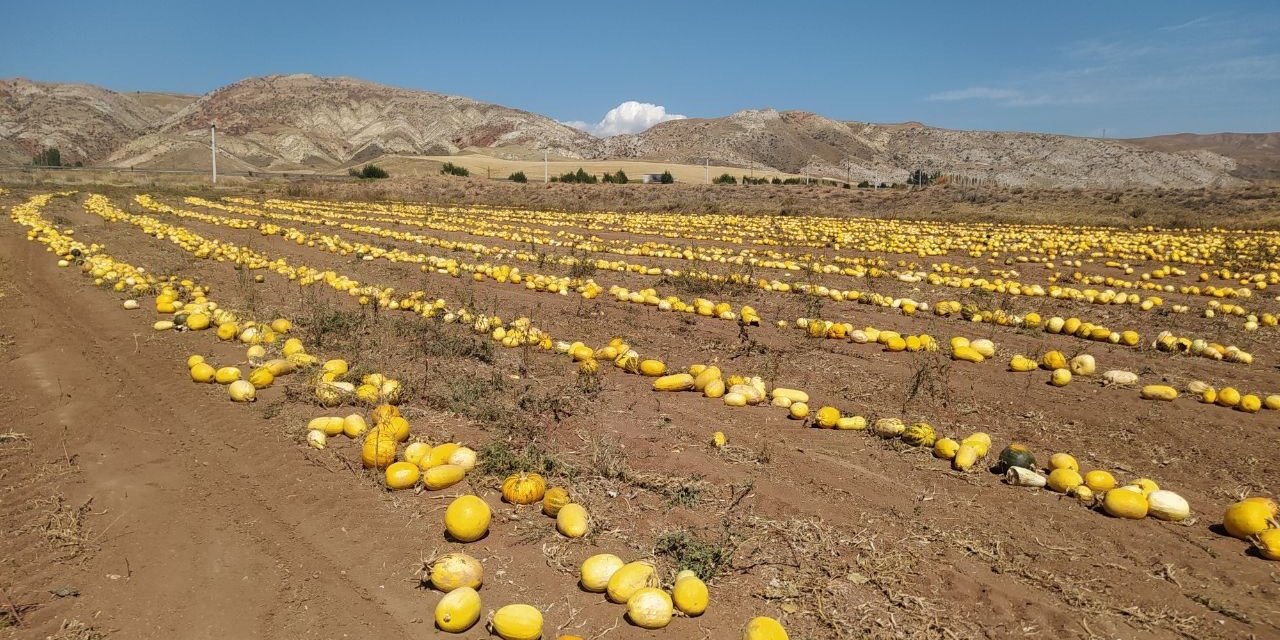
x=786, y=405
x=481, y=165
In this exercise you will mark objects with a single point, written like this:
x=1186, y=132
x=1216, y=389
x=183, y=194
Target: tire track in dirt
x=173, y=547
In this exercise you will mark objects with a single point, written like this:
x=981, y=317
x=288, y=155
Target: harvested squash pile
x=846, y=369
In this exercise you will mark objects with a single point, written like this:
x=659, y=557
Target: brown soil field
x=139, y=504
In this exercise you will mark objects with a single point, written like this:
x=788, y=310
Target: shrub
x=48, y=158
x=667, y=178
x=369, y=172
x=864, y=185
x=724, y=178
x=618, y=177
x=777, y=181
x=452, y=169
x=518, y=177
x=580, y=176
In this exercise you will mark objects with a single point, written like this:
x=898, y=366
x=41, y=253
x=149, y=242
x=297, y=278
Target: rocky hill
x=801, y=142
x=1257, y=155
x=82, y=121
x=308, y=122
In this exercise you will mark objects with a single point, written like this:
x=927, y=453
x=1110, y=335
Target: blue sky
x=1129, y=68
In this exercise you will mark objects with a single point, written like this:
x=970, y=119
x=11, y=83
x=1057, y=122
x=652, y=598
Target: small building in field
x=651, y=178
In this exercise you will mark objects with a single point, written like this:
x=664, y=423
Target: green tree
x=724, y=178
x=518, y=177
x=48, y=158
x=666, y=178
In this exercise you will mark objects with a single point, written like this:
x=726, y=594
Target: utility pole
x=213, y=144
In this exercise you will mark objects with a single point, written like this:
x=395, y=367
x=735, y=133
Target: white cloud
x=628, y=117
x=976, y=93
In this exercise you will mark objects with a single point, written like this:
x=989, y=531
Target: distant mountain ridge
x=82, y=121
x=1256, y=154
x=309, y=123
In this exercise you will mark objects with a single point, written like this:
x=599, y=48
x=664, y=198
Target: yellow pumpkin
x=202, y=372
x=242, y=391
x=1267, y=542
x=1064, y=461
x=920, y=434
x=1228, y=397
x=690, y=594
x=382, y=412
x=415, y=452
x=794, y=395
x=464, y=457
x=798, y=411
x=714, y=389
x=572, y=520
x=554, y=499
x=524, y=488
x=1022, y=364
x=851, y=423
x=261, y=378
x=828, y=417
x=1099, y=481
x=965, y=458
x=467, y=518
x=1063, y=480
x=889, y=427
x=1147, y=486
x=226, y=375
x=377, y=452
x=330, y=425
x=764, y=628
x=354, y=426
x=945, y=448
x=442, y=476
x=441, y=454
x=458, y=610
x=402, y=475
x=1158, y=392
x=650, y=608
x=630, y=578
x=674, y=382
x=1053, y=360
x=1250, y=403
x=1249, y=517
x=597, y=570
x=228, y=330
x=455, y=571
x=517, y=622
x=652, y=368
x=980, y=441
x=1122, y=503
x=1060, y=377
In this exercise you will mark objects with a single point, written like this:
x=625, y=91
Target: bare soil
x=171, y=512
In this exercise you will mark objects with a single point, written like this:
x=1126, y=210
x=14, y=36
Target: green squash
x=1016, y=455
